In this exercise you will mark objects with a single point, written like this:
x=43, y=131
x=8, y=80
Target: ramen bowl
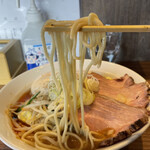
x=10, y=93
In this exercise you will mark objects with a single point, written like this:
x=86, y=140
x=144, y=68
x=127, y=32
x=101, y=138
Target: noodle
x=53, y=122
x=67, y=69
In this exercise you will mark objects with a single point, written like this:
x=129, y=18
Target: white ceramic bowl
x=14, y=89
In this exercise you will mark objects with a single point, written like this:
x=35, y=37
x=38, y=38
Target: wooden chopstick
x=111, y=28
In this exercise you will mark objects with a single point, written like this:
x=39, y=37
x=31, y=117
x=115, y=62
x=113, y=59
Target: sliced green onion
x=33, y=97
x=29, y=102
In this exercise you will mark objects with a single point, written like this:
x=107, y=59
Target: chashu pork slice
x=124, y=90
x=108, y=113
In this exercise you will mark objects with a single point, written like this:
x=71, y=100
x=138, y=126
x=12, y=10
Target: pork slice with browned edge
x=108, y=113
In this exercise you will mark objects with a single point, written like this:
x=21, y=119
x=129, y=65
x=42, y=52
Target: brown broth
x=27, y=95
